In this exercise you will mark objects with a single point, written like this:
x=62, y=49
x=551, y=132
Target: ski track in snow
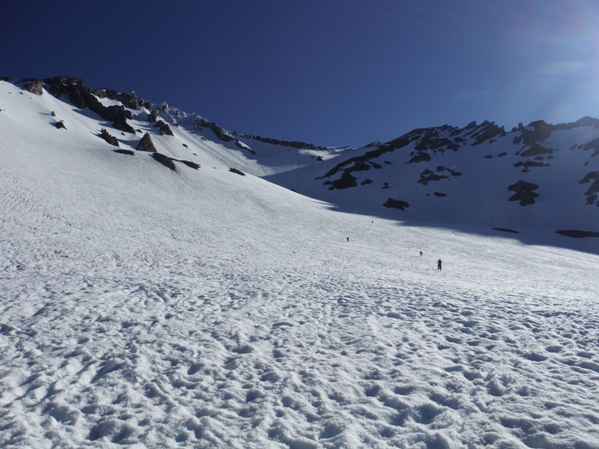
x=204, y=309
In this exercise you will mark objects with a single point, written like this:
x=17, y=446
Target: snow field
x=149, y=308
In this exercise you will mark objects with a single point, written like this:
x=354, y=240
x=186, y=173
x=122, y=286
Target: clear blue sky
x=329, y=72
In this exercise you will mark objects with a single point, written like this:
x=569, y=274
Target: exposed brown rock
x=109, y=138
x=164, y=128
x=164, y=160
x=146, y=144
x=35, y=87
x=83, y=97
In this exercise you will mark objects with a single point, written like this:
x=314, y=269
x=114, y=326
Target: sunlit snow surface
x=153, y=308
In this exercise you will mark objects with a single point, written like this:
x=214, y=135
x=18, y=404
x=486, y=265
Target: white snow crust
x=144, y=307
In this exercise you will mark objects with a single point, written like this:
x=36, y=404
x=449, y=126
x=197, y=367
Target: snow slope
x=147, y=307
x=467, y=176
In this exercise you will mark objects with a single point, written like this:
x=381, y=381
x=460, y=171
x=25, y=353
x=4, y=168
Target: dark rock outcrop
x=428, y=175
x=536, y=149
x=432, y=140
x=593, y=190
x=109, y=138
x=243, y=146
x=34, y=86
x=128, y=152
x=487, y=131
x=146, y=144
x=344, y=182
x=234, y=170
x=83, y=97
x=164, y=160
x=534, y=132
x=190, y=164
x=578, y=234
x=523, y=192
x=361, y=163
x=283, y=143
x=164, y=128
x=396, y=204
x=220, y=132
x=153, y=117
x=592, y=145
x=528, y=164
x=419, y=156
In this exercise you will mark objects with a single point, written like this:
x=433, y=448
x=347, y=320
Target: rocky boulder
x=34, y=86
x=146, y=144
x=109, y=138
x=164, y=128
x=153, y=117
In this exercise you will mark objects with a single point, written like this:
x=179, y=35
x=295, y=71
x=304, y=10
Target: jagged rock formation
x=220, y=132
x=475, y=165
x=164, y=128
x=109, y=138
x=283, y=143
x=83, y=97
x=34, y=86
x=146, y=144
x=153, y=117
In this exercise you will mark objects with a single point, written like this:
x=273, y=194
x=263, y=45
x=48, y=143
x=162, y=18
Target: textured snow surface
x=199, y=308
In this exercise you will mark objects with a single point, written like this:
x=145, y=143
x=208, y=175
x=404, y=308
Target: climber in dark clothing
x=439, y=264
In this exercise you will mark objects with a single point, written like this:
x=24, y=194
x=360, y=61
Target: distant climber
x=420, y=253
x=439, y=264
x=348, y=239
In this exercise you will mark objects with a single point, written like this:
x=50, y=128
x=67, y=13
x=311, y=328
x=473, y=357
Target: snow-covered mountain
x=165, y=282
x=538, y=176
